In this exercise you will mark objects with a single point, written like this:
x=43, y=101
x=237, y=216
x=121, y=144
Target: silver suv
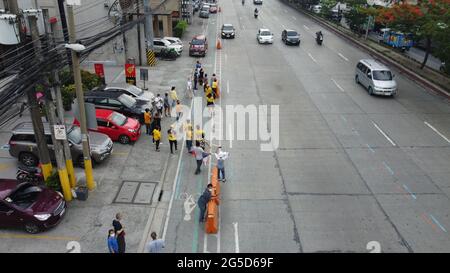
x=376, y=78
x=22, y=144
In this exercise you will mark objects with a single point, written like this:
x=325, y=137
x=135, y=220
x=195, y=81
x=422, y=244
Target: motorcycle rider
x=319, y=36
x=256, y=12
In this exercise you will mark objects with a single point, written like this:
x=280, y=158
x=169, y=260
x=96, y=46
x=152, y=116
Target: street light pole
x=80, y=98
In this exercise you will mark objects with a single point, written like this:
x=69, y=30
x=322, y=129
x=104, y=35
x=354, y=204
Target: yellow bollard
x=89, y=175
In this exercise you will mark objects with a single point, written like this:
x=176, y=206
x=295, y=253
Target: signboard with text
x=100, y=71
x=130, y=73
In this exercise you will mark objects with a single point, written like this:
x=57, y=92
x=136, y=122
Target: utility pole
x=151, y=60
x=36, y=118
x=80, y=97
x=62, y=15
x=124, y=38
x=57, y=99
x=59, y=153
x=13, y=7
x=139, y=31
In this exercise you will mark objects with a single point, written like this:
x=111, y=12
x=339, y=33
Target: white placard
x=60, y=132
x=74, y=2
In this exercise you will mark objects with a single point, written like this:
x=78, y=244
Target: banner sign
x=130, y=73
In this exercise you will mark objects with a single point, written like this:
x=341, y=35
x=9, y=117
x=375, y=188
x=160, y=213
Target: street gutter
x=440, y=87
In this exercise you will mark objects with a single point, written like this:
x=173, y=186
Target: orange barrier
x=218, y=45
x=212, y=211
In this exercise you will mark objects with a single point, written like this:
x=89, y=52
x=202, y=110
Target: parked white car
x=174, y=40
x=264, y=36
x=160, y=44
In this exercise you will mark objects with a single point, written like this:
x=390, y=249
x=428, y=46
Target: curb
x=409, y=73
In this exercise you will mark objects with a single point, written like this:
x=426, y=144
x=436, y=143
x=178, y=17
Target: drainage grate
x=135, y=192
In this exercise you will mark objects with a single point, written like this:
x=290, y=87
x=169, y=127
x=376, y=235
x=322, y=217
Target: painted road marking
x=370, y=148
x=384, y=134
x=437, y=132
x=343, y=57
x=412, y=194
x=425, y=218
x=306, y=27
x=231, y=135
x=343, y=118
x=437, y=222
x=293, y=17
x=228, y=87
x=38, y=237
x=356, y=132
x=283, y=26
x=314, y=60
x=338, y=86
x=236, y=237
x=389, y=168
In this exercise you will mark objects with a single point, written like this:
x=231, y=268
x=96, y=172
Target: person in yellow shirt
x=187, y=127
x=215, y=88
x=173, y=96
x=179, y=110
x=147, y=121
x=157, y=137
x=210, y=103
x=199, y=136
x=171, y=135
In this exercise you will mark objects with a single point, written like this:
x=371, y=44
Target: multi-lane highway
x=349, y=168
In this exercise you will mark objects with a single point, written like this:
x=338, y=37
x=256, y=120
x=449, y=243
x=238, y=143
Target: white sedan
x=264, y=36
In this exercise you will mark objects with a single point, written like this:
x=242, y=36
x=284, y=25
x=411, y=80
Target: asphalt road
x=349, y=169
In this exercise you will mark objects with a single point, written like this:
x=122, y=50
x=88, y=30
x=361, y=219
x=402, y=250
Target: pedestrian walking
x=159, y=103
x=113, y=246
x=179, y=110
x=156, y=245
x=205, y=79
x=200, y=154
x=201, y=75
x=203, y=201
x=157, y=137
x=173, y=96
x=199, y=135
x=120, y=233
x=215, y=88
x=221, y=156
x=198, y=65
x=171, y=135
x=214, y=77
x=147, y=121
x=156, y=121
x=166, y=105
x=210, y=103
x=189, y=92
x=189, y=134
x=195, y=79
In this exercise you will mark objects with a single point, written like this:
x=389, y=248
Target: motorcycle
x=29, y=174
x=256, y=15
x=319, y=40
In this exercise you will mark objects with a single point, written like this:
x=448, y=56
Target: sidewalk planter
x=180, y=28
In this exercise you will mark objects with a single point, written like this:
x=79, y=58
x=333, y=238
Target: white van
x=376, y=78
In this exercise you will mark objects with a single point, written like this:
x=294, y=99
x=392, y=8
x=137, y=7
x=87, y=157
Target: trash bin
x=82, y=193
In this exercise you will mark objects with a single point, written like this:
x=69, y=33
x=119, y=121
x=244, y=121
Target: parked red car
x=117, y=126
x=25, y=205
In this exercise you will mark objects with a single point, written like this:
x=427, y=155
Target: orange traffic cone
x=218, y=45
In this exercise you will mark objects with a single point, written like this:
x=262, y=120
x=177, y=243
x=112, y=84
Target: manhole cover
x=135, y=192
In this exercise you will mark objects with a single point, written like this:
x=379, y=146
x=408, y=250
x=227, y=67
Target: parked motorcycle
x=256, y=13
x=29, y=174
x=168, y=54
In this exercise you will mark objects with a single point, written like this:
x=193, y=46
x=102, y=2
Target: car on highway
x=228, y=31
x=160, y=44
x=290, y=37
x=316, y=8
x=118, y=102
x=28, y=206
x=117, y=126
x=257, y=2
x=198, y=46
x=264, y=36
x=377, y=78
x=212, y=8
x=128, y=89
x=22, y=144
x=204, y=11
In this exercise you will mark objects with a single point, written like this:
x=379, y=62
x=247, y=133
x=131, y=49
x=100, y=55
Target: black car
x=118, y=102
x=228, y=31
x=290, y=37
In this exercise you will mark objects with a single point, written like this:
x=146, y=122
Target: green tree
x=426, y=20
x=327, y=6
